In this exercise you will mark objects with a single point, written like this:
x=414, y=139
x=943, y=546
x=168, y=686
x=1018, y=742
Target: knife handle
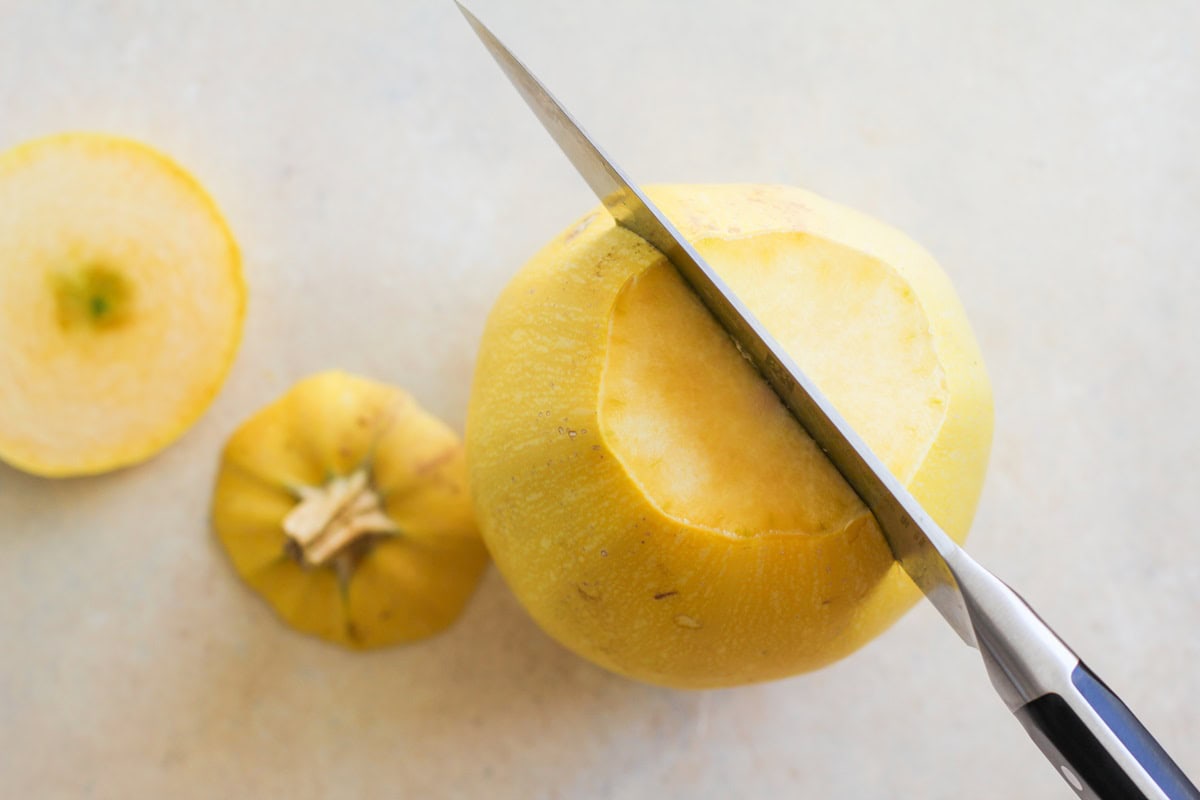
x=1063, y=727
x=1093, y=740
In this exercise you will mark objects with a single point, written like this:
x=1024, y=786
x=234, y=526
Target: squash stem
x=331, y=518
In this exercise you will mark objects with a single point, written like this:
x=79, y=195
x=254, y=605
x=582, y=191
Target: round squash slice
x=121, y=303
x=646, y=495
x=346, y=507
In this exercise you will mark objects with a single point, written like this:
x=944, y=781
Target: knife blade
x=1097, y=744
x=916, y=540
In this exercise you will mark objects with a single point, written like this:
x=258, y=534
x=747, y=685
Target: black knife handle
x=1086, y=763
x=1087, y=733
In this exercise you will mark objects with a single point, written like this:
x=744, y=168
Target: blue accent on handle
x=1137, y=739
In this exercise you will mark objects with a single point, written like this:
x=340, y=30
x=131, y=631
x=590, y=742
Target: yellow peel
x=346, y=507
x=645, y=494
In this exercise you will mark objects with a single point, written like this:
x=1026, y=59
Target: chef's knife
x=1087, y=733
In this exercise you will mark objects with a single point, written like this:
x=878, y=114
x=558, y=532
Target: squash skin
x=399, y=588
x=650, y=594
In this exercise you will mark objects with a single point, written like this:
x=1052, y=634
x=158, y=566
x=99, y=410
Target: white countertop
x=384, y=182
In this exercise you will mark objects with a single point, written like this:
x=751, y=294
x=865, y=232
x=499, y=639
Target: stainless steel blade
x=916, y=540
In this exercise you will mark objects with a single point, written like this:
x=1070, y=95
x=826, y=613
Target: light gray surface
x=384, y=181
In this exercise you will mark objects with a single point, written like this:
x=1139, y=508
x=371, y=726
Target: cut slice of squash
x=121, y=303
